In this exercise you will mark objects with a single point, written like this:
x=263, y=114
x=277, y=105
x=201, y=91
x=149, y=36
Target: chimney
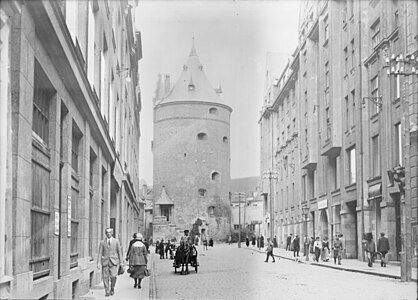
x=167, y=84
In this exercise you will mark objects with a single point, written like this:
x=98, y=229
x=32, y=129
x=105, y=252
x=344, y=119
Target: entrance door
x=398, y=232
x=324, y=223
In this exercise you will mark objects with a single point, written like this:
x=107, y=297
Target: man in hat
x=383, y=248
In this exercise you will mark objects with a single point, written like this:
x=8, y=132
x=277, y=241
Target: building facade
x=346, y=124
x=71, y=104
x=191, y=153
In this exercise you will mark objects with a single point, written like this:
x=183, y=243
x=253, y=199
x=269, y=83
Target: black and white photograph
x=208, y=149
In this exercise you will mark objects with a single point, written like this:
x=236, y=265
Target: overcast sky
x=232, y=39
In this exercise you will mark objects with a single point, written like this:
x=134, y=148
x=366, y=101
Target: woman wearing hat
x=138, y=258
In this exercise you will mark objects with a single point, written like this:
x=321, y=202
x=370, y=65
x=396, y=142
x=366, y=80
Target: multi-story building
x=353, y=124
x=247, y=204
x=191, y=150
x=70, y=138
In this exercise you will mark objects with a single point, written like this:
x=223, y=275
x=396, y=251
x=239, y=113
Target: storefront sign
x=322, y=204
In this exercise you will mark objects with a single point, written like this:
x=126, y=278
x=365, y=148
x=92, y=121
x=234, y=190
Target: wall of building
x=340, y=57
x=67, y=166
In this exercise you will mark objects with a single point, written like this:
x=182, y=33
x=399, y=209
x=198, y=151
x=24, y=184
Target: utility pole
x=239, y=217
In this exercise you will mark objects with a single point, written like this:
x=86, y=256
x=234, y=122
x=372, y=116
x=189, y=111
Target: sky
x=233, y=40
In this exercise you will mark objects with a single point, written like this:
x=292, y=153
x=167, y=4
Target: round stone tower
x=191, y=151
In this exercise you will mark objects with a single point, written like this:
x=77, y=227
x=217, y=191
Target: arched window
x=225, y=140
x=213, y=111
x=202, y=136
x=202, y=192
x=216, y=176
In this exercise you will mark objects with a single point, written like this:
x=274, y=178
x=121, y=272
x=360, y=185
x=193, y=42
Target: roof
x=193, y=85
x=164, y=199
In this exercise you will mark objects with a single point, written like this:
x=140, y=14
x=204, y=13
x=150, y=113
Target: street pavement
x=227, y=272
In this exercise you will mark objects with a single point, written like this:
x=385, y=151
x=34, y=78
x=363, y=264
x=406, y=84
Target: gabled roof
x=193, y=85
x=164, y=199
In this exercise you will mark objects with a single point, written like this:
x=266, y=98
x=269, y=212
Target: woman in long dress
x=138, y=259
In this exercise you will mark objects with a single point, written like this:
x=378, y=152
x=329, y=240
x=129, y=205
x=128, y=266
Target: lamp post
x=398, y=65
x=271, y=174
x=239, y=217
x=305, y=212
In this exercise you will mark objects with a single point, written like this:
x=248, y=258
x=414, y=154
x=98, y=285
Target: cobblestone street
x=226, y=272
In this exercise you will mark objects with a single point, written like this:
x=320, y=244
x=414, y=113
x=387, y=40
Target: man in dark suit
x=383, y=248
x=109, y=258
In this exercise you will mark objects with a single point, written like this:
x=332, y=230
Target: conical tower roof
x=193, y=85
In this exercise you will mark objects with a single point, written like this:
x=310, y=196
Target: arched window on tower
x=202, y=136
x=202, y=192
x=213, y=111
x=216, y=176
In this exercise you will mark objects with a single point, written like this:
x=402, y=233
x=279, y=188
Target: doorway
x=323, y=220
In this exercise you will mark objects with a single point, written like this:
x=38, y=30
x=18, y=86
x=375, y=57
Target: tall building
x=343, y=117
x=69, y=142
x=191, y=155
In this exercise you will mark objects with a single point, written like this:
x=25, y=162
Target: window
x=225, y=140
x=398, y=144
x=345, y=60
x=375, y=33
x=326, y=29
x=211, y=210
x=75, y=148
x=353, y=108
x=215, y=176
x=202, y=136
x=42, y=95
x=93, y=157
x=352, y=54
x=104, y=85
x=326, y=76
x=351, y=155
x=347, y=113
x=40, y=221
x=375, y=156
x=213, y=111
x=74, y=215
x=202, y=192
x=335, y=168
x=311, y=181
x=374, y=84
x=328, y=121
x=304, y=188
x=103, y=184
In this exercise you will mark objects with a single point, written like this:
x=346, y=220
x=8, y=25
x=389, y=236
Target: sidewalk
x=124, y=289
x=350, y=265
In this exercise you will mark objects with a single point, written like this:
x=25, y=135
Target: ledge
x=5, y=279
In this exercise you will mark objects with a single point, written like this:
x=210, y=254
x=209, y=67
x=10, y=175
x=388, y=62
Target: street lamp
x=239, y=217
x=398, y=65
x=271, y=174
x=305, y=212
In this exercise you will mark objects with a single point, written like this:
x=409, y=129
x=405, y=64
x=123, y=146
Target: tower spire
x=193, y=51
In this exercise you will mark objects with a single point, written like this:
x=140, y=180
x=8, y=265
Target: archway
x=323, y=223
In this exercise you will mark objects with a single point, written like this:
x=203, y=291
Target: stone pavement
x=392, y=270
x=124, y=289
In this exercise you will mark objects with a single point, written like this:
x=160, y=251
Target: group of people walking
x=109, y=259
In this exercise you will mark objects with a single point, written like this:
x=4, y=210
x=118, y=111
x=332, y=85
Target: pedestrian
x=205, y=243
x=296, y=246
x=229, y=239
x=343, y=251
x=196, y=240
x=138, y=259
x=325, y=250
x=211, y=242
x=312, y=247
x=288, y=242
x=370, y=248
x=337, y=248
x=168, y=249
x=269, y=251
x=317, y=248
x=261, y=241
x=109, y=258
x=275, y=245
x=383, y=248
x=247, y=241
x=258, y=242
x=161, y=249
x=253, y=241
x=157, y=246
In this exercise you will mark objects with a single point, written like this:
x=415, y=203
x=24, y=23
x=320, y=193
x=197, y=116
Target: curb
x=338, y=268
x=152, y=281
